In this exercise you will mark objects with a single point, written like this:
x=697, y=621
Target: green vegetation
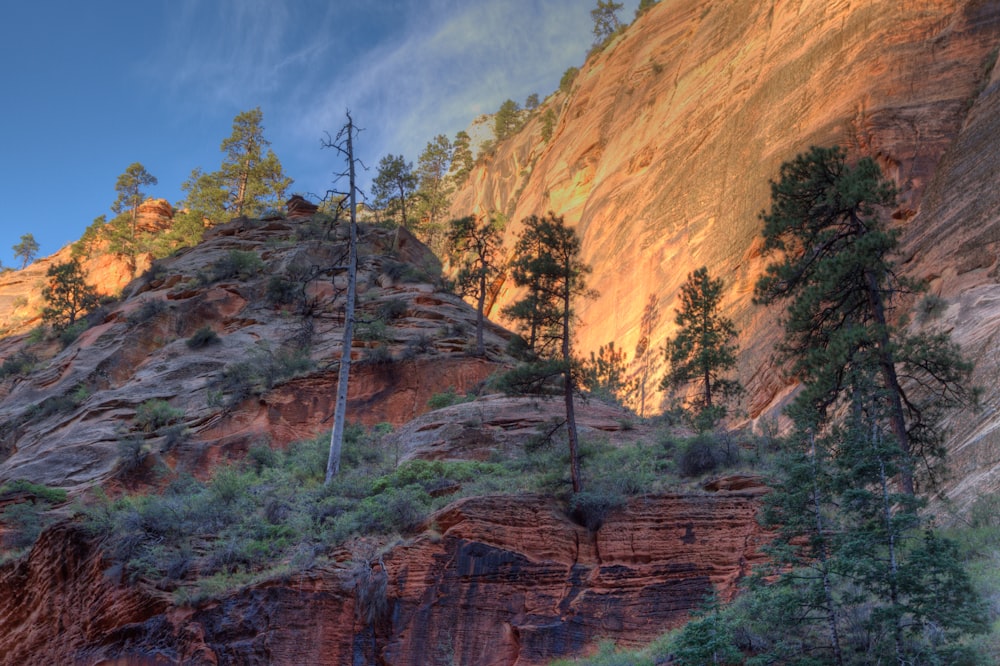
x=67, y=295
x=476, y=250
x=702, y=350
x=27, y=249
x=606, y=23
x=434, y=188
x=203, y=337
x=263, y=369
x=448, y=398
x=507, y=120
x=547, y=263
x=154, y=414
x=605, y=374
x=393, y=188
x=25, y=520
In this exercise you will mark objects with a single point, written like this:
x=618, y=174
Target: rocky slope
x=504, y=581
x=664, y=147
x=276, y=311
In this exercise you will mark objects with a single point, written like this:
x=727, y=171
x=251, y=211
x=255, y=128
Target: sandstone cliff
x=509, y=581
x=664, y=147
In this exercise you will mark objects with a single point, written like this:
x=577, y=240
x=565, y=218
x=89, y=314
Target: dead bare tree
x=343, y=143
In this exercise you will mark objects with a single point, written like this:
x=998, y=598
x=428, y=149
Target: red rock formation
x=154, y=215
x=664, y=147
x=510, y=581
x=297, y=206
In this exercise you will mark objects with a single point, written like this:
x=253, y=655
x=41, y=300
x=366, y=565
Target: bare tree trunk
x=480, y=306
x=337, y=435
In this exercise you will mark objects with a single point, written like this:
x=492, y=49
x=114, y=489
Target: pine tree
x=507, y=121
x=433, y=188
x=702, y=349
x=605, y=17
x=130, y=195
x=548, y=264
x=67, y=295
x=252, y=178
x=461, y=157
x=393, y=187
x=27, y=249
x=476, y=245
x=834, y=265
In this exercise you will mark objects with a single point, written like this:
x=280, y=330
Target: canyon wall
x=665, y=145
x=505, y=581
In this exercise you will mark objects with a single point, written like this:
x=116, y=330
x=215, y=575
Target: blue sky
x=90, y=87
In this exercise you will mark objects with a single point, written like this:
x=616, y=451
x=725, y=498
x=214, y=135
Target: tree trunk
x=574, y=456
x=337, y=435
x=887, y=368
x=480, y=306
x=831, y=615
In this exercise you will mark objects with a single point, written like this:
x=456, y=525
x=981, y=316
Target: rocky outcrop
x=502, y=581
x=499, y=425
x=297, y=206
x=664, y=147
x=154, y=215
x=275, y=309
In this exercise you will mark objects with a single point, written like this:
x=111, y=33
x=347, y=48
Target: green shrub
x=448, y=398
x=18, y=364
x=591, y=508
x=237, y=264
x=282, y=291
x=70, y=333
x=372, y=331
x=392, y=309
x=154, y=414
x=203, y=337
x=150, y=308
x=703, y=454
x=38, y=490
x=378, y=355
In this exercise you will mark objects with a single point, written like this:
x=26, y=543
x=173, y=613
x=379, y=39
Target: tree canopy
x=703, y=349
x=834, y=265
x=67, y=295
x=393, y=188
x=27, y=249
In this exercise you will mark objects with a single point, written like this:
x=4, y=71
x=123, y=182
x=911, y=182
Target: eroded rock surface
x=505, y=581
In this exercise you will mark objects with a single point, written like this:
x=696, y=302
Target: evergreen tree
x=27, y=250
x=702, y=349
x=433, y=188
x=67, y=295
x=461, y=157
x=507, y=121
x=130, y=195
x=477, y=247
x=548, y=264
x=252, y=178
x=393, y=187
x=605, y=374
x=834, y=265
x=531, y=103
x=605, y=17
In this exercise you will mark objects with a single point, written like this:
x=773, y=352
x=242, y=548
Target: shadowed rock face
x=663, y=150
x=509, y=581
x=62, y=423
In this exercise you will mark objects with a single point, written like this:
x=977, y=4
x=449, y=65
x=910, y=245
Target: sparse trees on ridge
x=26, y=250
x=252, y=178
x=393, y=187
x=125, y=234
x=507, y=121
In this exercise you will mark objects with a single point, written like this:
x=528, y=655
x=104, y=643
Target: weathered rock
x=502, y=425
x=62, y=424
x=298, y=206
x=664, y=148
x=507, y=581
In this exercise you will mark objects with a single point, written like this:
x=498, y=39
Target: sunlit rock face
x=665, y=145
